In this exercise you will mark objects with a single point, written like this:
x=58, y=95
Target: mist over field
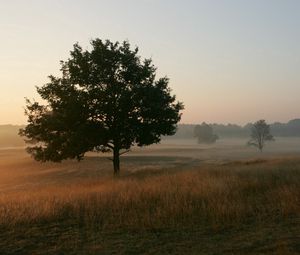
x=9, y=133
x=175, y=197
x=183, y=146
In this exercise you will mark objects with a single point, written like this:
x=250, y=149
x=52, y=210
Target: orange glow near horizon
x=232, y=62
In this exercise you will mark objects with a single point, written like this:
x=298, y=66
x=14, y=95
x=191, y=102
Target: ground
x=174, y=198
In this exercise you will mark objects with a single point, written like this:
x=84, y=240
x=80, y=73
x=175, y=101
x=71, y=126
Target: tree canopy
x=107, y=99
x=204, y=133
x=260, y=134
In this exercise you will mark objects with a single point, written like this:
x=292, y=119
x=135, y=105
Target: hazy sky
x=228, y=61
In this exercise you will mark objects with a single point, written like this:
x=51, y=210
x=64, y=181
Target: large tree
x=107, y=99
x=260, y=134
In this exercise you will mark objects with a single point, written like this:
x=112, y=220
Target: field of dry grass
x=235, y=207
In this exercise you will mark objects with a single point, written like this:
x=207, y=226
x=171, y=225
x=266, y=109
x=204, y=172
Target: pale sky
x=229, y=61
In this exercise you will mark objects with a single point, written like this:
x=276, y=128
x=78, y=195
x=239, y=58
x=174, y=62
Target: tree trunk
x=116, y=161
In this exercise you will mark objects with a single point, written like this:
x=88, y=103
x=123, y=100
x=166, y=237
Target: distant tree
x=204, y=133
x=107, y=99
x=260, y=134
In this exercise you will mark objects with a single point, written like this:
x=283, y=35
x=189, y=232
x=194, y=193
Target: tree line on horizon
x=9, y=133
x=289, y=129
x=260, y=133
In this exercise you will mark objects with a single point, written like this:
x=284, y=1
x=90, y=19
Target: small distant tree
x=107, y=99
x=260, y=134
x=204, y=133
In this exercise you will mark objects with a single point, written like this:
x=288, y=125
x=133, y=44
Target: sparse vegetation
x=241, y=207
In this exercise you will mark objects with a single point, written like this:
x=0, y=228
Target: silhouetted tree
x=260, y=133
x=204, y=133
x=107, y=99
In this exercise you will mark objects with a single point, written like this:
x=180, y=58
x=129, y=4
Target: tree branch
x=124, y=152
x=110, y=146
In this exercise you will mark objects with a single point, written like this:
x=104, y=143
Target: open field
x=173, y=198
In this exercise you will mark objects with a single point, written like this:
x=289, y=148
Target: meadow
x=174, y=198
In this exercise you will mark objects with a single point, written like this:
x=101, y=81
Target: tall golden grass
x=210, y=195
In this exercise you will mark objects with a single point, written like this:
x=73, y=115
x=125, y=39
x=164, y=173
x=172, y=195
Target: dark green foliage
x=107, y=100
x=260, y=134
x=204, y=133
